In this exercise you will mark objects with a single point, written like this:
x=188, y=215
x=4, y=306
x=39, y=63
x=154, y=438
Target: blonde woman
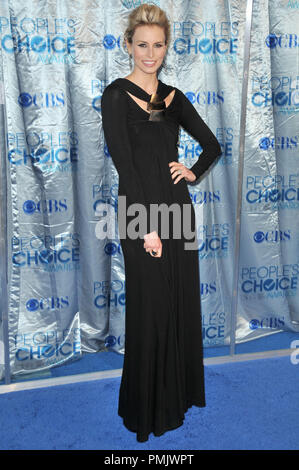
x=163, y=373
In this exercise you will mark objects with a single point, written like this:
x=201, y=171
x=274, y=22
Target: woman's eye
x=144, y=45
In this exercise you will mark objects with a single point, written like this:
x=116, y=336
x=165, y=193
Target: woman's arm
x=115, y=126
x=191, y=121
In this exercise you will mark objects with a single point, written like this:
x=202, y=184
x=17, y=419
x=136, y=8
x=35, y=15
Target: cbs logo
x=295, y=354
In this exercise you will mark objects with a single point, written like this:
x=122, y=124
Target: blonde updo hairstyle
x=147, y=15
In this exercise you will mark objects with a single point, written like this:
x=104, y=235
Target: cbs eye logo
x=295, y=354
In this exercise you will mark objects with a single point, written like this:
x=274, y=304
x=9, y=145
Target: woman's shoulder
x=113, y=91
x=178, y=91
x=182, y=97
x=114, y=85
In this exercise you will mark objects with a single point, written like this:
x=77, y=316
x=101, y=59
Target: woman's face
x=148, y=48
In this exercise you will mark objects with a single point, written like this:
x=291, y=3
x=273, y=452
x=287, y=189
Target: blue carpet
x=250, y=405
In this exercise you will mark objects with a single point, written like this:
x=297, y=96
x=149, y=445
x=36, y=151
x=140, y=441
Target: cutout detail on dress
x=166, y=107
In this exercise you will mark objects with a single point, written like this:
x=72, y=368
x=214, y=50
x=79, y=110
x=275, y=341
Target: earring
x=130, y=60
x=165, y=67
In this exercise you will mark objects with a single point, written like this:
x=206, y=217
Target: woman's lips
x=148, y=63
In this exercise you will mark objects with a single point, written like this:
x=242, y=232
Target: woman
x=163, y=372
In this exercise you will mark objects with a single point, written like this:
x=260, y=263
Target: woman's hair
x=147, y=15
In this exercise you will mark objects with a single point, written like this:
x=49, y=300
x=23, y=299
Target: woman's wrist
x=151, y=236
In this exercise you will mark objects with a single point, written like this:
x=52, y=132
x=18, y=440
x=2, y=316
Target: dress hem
x=200, y=404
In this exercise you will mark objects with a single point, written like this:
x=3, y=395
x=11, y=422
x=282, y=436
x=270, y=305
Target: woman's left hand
x=176, y=167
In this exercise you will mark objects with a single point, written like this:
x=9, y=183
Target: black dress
x=163, y=373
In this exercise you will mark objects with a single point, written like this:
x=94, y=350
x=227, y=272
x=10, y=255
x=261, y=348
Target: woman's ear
x=128, y=46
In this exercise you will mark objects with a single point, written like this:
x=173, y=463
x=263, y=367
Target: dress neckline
x=138, y=91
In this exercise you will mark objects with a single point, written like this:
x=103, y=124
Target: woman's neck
x=149, y=84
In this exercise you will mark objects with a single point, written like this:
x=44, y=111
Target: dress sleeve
x=115, y=127
x=191, y=121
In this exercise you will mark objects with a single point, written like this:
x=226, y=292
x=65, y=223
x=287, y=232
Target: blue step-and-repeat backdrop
x=66, y=287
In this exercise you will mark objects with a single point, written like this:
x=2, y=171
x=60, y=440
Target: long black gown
x=163, y=373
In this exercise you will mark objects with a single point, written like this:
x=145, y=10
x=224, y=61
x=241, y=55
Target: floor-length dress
x=163, y=373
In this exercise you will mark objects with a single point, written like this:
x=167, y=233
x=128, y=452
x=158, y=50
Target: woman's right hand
x=153, y=242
